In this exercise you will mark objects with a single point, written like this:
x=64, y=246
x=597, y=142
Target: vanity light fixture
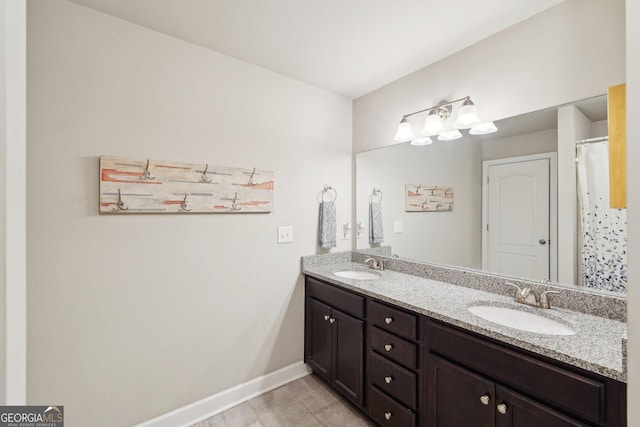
x=405, y=131
x=467, y=116
x=483, y=129
x=425, y=140
x=434, y=123
x=450, y=135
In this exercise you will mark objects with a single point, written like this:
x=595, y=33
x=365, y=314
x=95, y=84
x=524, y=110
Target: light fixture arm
x=435, y=107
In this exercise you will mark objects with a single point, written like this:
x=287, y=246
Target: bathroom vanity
x=406, y=351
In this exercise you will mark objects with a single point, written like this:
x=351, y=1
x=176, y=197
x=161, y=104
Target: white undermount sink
x=520, y=319
x=358, y=274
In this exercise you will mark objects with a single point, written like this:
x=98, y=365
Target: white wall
x=569, y=52
x=137, y=315
x=526, y=144
x=633, y=206
x=3, y=196
x=600, y=128
x=13, y=201
x=573, y=125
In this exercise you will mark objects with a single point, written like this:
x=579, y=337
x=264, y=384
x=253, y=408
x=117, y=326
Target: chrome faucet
x=373, y=263
x=528, y=296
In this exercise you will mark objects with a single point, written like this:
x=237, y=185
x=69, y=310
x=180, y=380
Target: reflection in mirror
x=496, y=218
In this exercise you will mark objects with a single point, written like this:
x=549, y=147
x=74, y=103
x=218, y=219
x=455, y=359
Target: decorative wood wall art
x=428, y=198
x=149, y=186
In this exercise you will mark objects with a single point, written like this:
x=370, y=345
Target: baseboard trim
x=209, y=406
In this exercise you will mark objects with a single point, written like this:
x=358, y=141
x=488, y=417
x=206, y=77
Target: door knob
x=542, y=241
x=387, y=416
x=388, y=320
x=484, y=399
x=388, y=347
x=332, y=320
x=502, y=408
x=326, y=317
x=388, y=379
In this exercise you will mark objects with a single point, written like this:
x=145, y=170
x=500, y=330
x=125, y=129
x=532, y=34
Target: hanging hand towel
x=327, y=224
x=376, y=234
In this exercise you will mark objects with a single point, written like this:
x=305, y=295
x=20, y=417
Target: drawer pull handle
x=388, y=347
x=484, y=399
x=502, y=408
x=388, y=379
x=326, y=317
x=388, y=320
x=387, y=416
x=332, y=320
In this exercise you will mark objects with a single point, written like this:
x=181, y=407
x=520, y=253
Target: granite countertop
x=596, y=346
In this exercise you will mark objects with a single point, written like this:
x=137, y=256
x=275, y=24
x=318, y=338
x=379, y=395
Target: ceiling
x=349, y=47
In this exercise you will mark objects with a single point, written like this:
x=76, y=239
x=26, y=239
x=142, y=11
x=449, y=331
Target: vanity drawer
x=388, y=412
x=394, y=347
x=393, y=380
x=554, y=385
x=345, y=301
x=393, y=320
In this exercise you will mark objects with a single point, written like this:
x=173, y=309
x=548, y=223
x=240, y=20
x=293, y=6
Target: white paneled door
x=517, y=217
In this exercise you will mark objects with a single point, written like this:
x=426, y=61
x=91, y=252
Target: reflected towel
x=376, y=234
x=327, y=225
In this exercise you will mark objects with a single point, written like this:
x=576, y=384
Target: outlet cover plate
x=285, y=234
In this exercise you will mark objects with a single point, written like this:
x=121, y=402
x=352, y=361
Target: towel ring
x=376, y=193
x=327, y=191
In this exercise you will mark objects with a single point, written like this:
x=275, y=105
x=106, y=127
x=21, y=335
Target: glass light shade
x=483, y=128
x=467, y=116
x=405, y=132
x=450, y=135
x=432, y=124
x=422, y=141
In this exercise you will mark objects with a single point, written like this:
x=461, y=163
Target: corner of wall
x=13, y=194
x=633, y=198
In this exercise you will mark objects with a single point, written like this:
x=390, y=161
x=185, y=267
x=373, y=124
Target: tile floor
x=306, y=402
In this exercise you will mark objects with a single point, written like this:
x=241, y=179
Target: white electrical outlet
x=397, y=227
x=285, y=234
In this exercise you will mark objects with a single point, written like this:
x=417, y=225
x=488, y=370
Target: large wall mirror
x=526, y=201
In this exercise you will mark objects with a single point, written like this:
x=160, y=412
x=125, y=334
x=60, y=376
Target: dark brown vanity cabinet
x=394, y=361
x=474, y=382
x=458, y=397
x=403, y=369
x=334, y=337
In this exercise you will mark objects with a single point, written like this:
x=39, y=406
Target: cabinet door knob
x=484, y=399
x=326, y=317
x=388, y=347
x=388, y=379
x=332, y=320
x=387, y=416
x=388, y=320
x=502, y=408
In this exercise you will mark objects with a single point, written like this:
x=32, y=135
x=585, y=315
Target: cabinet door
x=458, y=397
x=348, y=374
x=515, y=410
x=319, y=343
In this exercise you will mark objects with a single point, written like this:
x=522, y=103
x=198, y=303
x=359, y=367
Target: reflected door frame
x=553, y=206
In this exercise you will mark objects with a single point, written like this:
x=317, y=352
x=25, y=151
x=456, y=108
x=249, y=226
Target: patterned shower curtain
x=604, y=230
